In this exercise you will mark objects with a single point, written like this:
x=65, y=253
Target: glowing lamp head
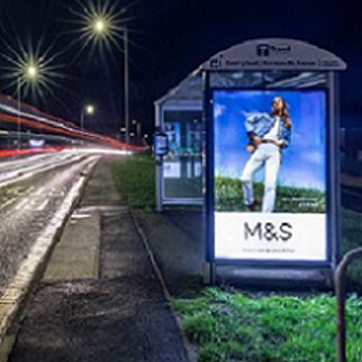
x=31, y=72
x=90, y=109
x=100, y=26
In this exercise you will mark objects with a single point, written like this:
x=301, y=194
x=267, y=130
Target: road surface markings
x=43, y=205
x=39, y=191
x=21, y=204
x=81, y=216
x=7, y=203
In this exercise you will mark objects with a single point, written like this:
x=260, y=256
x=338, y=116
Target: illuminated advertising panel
x=270, y=167
x=173, y=132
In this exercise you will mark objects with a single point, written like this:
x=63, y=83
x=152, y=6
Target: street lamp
x=103, y=25
x=89, y=109
x=28, y=74
x=29, y=69
x=103, y=28
x=100, y=26
x=32, y=71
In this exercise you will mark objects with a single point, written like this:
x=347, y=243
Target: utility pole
x=19, y=114
x=126, y=84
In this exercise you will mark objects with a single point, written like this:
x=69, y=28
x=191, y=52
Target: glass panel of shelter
x=182, y=168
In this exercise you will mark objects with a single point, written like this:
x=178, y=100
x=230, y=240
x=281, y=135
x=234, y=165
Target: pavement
x=100, y=299
x=176, y=240
x=78, y=260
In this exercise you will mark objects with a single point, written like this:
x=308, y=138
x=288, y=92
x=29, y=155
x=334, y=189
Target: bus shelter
x=271, y=176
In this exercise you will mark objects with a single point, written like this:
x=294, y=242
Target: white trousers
x=266, y=155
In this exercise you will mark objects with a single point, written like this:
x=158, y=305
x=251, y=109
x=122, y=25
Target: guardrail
x=340, y=283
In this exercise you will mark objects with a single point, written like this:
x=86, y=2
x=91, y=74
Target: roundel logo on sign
x=263, y=50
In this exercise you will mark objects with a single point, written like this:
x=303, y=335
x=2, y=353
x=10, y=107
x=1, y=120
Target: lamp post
x=89, y=109
x=126, y=83
x=102, y=27
x=29, y=74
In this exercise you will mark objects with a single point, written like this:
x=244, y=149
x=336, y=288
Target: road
x=34, y=189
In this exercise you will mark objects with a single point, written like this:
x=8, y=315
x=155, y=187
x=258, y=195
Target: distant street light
x=30, y=68
x=89, y=109
x=29, y=73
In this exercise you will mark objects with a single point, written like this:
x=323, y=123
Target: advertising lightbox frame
x=332, y=164
x=211, y=193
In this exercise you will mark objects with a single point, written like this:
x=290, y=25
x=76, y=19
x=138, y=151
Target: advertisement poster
x=173, y=132
x=194, y=141
x=270, y=174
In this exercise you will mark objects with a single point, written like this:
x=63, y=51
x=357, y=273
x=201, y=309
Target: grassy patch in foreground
x=135, y=179
x=230, y=327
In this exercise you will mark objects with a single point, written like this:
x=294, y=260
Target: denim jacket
x=260, y=124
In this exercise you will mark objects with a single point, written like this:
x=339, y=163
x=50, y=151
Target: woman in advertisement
x=269, y=134
x=172, y=138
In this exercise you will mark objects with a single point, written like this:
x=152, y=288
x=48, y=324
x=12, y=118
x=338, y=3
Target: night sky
x=169, y=39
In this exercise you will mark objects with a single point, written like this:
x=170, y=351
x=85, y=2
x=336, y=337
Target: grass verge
x=230, y=327
x=135, y=179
